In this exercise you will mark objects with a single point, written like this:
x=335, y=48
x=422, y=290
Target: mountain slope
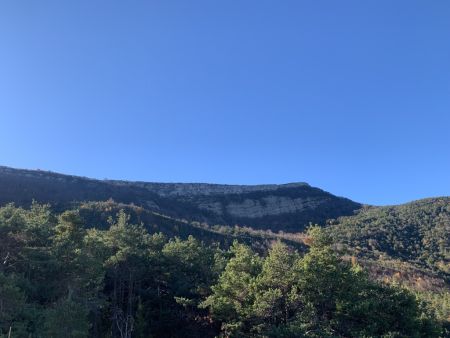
x=287, y=207
x=416, y=232
x=411, y=240
x=98, y=215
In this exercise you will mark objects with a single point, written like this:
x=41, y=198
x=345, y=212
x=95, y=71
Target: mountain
x=411, y=239
x=287, y=207
x=403, y=244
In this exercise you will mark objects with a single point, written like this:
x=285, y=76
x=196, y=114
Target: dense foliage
x=61, y=277
x=417, y=232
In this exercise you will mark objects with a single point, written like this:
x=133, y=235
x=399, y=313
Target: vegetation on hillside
x=62, y=277
x=417, y=232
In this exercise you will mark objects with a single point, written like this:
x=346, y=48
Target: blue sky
x=350, y=96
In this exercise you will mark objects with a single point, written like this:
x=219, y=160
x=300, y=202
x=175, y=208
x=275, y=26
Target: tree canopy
x=61, y=277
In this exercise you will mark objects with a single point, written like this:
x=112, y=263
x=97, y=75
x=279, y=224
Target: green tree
x=233, y=296
x=340, y=300
x=127, y=262
x=277, y=299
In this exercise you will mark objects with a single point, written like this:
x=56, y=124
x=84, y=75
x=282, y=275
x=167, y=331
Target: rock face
x=272, y=205
x=287, y=207
x=266, y=206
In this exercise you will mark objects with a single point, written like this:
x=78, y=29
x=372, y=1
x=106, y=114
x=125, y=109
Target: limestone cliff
x=287, y=207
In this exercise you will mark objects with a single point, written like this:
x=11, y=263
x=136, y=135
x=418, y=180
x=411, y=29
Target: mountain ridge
x=161, y=186
x=287, y=207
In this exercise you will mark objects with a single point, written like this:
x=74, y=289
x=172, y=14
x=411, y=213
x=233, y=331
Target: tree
x=340, y=300
x=67, y=248
x=277, y=299
x=126, y=266
x=317, y=295
x=233, y=296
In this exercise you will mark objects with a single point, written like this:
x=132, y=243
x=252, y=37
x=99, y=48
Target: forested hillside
x=61, y=277
x=98, y=215
x=417, y=232
x=136, y=259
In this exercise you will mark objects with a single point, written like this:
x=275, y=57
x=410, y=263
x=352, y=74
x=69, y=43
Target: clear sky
x=349, y=96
